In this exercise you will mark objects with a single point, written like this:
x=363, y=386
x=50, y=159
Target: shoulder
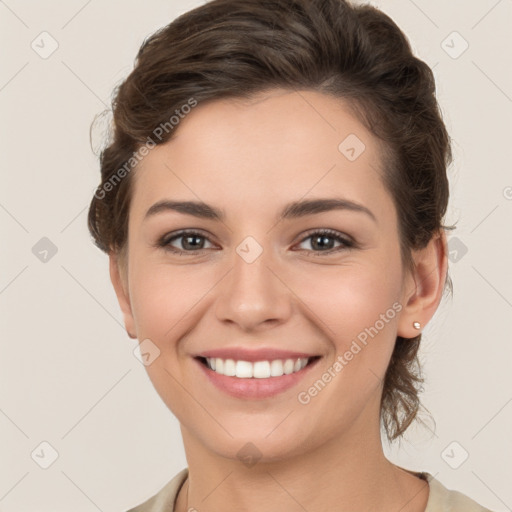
x=164, y=499
x=442, y=499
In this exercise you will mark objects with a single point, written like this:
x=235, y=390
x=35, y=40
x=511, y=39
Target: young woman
x=272, y=203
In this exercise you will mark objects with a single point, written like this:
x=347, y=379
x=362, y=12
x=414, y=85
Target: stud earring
x=416, y=325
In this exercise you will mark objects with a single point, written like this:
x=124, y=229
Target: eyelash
x=165, y=241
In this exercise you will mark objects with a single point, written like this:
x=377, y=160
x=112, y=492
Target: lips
x=255, y=388
x=254, y=355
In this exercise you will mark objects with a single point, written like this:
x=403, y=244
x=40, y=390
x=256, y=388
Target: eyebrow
x=292, y=210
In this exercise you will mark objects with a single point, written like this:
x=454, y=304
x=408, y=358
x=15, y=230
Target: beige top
x=440, y=498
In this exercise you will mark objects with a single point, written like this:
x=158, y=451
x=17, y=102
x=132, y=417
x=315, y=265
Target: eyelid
x=182, y=232
x=331, y=232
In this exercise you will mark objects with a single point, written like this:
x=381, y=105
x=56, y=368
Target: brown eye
x=324, y=240
x=187, y=242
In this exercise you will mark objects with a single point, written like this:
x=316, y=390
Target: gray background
x=68, y=371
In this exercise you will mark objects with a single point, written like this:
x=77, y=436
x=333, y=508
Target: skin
x=251, y=158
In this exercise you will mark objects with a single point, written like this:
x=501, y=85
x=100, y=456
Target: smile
x=255, y=380
x=258, y=369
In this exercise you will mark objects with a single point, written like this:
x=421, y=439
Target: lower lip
x=254, y=388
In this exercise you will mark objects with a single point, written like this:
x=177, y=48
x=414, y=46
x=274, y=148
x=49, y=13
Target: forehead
x=280, y=145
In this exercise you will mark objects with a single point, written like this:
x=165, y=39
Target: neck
x=341, y=474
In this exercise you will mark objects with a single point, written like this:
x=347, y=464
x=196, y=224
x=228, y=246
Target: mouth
x=255, y=380
x=264, y=369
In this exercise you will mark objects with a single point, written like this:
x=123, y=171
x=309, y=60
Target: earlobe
x=119, y=280
x=424, y=289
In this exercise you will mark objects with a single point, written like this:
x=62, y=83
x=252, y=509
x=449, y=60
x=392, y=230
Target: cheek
x=163, y=296
x=357, y=308
x=166, y=302
x=347, y=299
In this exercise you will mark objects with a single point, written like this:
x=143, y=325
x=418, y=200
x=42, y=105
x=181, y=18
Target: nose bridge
x=252, y=294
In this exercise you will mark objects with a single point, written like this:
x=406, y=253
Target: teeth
x=258, y=370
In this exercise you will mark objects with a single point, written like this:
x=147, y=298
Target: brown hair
x=236, y=48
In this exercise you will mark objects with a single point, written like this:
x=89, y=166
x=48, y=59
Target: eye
x=188, y=242
x=193, y=242
x=322, y=241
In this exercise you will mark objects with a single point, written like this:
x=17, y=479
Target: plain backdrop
x=74, y=397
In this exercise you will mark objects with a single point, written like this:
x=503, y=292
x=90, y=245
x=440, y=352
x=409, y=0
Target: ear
x=119, y=278
x=423, y=289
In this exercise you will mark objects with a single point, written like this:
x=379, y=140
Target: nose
x=253, y=295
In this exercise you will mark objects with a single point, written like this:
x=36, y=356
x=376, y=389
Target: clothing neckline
x=422, y=475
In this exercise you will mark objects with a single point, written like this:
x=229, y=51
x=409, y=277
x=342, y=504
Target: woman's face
x=256, y=279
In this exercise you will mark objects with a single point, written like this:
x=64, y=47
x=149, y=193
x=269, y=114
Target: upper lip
x=252, y=355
